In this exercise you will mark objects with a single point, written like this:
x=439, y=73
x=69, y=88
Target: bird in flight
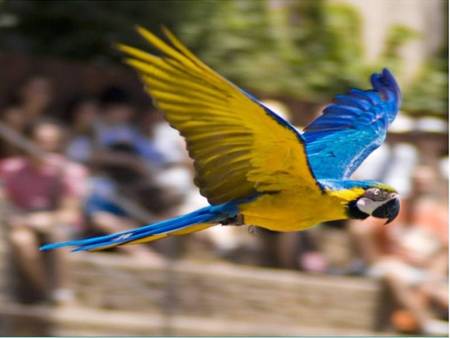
x=253, y=166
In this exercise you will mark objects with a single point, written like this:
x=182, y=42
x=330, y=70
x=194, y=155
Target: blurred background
x=83, y=153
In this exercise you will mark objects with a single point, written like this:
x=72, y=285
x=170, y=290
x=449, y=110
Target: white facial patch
x=368, y=206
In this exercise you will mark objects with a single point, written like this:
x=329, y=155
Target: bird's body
x=297, y=209
x=254, y=167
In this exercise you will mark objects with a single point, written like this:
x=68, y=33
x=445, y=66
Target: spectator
x=35, y=97
x=44, y=193
x=81, y=114
x=115, y=126
x=103, y=209
x=411, y=256
x=166, y=139
x=106, y=215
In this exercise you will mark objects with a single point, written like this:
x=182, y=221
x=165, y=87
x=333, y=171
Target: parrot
x=253, y=166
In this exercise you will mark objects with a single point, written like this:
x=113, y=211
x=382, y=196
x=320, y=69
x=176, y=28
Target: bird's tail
x=192, y=222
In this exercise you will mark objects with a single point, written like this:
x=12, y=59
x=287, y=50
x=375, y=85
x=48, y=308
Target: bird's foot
x=252, y=229
x=236, y=220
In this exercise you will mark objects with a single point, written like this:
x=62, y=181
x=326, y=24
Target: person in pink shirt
x=43, y=194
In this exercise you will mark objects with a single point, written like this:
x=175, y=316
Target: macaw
x=253, y=166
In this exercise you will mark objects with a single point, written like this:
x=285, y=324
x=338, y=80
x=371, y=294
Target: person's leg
x=408, y=297
x=60, y=266
x=288, y=249
x=269, y=240
x=437, y=291
x=414, y=300
x=62, y=293
x=437, y=286
x=25, y=246
x=363, y=235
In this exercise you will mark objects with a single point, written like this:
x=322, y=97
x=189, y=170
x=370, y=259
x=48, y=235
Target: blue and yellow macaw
x=254, y=167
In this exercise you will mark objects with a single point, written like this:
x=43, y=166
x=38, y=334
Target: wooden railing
x=119, y=296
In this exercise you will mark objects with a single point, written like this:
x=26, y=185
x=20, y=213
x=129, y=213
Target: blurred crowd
x=100, y=164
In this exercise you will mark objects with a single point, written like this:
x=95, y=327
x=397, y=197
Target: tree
x=308, y=50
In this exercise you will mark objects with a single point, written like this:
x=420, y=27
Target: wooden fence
x=119, y=296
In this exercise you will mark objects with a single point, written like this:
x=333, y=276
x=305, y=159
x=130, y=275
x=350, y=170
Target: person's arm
x=109, y=223
x=45, y=221
x=69, y=211
x=438, y=264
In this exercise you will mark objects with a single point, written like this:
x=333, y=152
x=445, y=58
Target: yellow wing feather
x=238, y=148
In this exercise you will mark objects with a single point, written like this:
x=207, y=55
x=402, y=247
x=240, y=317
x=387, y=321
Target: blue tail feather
x=131, y=236
x=208, y=214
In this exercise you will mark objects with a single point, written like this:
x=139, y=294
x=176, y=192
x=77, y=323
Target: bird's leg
x=252, y=229
x=236, y=220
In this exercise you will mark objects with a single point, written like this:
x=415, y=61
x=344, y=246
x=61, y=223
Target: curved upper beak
x=388, y=210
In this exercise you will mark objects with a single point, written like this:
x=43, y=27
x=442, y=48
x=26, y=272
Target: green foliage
x=309, y=49
x=291, y=48
x=82, y=29
x=429, y=93
x=397, y=37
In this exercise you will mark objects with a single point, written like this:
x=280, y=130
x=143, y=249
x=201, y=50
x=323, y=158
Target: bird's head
x=380, y=201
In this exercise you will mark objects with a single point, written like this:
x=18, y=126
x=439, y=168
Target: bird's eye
x=375, y=194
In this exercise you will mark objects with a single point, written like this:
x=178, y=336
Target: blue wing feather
x=352, y=127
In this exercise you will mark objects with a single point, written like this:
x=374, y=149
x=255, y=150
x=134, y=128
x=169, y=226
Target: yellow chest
x=295, y=211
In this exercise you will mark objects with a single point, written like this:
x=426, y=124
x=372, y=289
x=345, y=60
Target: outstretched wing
x=351, y=128
x=239, y=146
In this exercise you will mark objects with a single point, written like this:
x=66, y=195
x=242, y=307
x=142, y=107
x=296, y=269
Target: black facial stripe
x=354, y=212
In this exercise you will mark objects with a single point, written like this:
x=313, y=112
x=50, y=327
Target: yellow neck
x=346, y=195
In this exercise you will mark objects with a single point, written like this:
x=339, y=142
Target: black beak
x=388, y=210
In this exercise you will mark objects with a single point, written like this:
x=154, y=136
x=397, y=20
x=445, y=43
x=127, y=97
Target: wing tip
x=386, y=83
x=140, y=29
x=166, y=31
x=148, y=35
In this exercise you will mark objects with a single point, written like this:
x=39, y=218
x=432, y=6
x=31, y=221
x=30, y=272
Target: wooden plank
x=227, y=292
x=86, y=321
